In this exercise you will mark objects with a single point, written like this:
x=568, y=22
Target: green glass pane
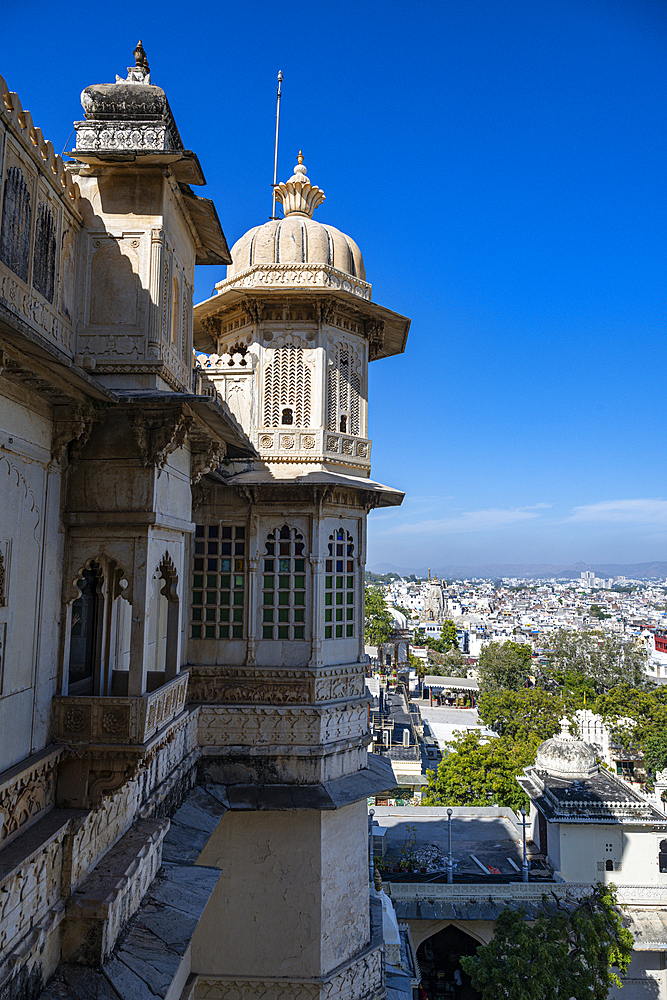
x=339, y=583
x=283, y=631
x=238, y=614
x=299, y=565
x=339, y=614
x=267, y=615
x=267, y=632
x=196, y=631
x=300, y=597
x=299, y=582
x=225, y=582
x=283, y=598
x=328, y=582
x=224, y=614
x=339, y=598
x=283, y=614
x=339, y=631
x=196, y=614
x=328, y=598
x=350, y=614
x=238, y=597
x=269, y=582
x=212, y=580
x=268, y=597
x=223, y=632
x=327, y=631
x=238, y=580
x=350, y=597
x=211, y=614
x=210, y=631
x=224, y=597
x=328, y=615
x=350, y=629
x=211, y=597
x=237, y=631
x=283, y=566
x=283, y=582
x=197, y=597
x=298, y=631
x=299, y=615
x=198, y=580
x=350, y=583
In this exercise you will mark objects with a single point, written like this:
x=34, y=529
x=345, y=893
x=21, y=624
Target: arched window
x=284, y=585
x=86, y=634
x=609, y=865
x=44, y=267
x=288, y=416
x=339, y=587
x=15, y=231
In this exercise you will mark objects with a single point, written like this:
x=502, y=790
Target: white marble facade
x=182, y=549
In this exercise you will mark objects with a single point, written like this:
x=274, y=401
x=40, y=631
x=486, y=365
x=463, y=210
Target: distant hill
x=634, y=571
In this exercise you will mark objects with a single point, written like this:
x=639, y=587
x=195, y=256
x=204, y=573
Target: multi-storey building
x=181, y=576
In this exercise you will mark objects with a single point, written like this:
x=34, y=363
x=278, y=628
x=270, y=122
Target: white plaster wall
x=636, y=848
x=293, y=896
x=32, y=549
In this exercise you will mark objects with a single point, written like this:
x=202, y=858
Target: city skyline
x=502, y=170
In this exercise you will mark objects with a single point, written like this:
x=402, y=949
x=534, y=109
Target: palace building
x=184, y=760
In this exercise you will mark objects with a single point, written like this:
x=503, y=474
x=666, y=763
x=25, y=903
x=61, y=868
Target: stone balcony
x=118, y=720
x=285, y=444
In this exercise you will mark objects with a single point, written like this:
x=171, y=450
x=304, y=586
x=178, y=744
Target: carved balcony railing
x=122, y=720
x=291, y=444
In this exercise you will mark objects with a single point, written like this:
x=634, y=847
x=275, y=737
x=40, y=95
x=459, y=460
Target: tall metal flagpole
x=275, y=152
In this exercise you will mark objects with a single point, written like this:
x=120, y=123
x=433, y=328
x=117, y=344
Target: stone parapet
x=99, y=909
x=27, y=793
x=230, y=685
x=298, y=276
x=279, y=728
x=113, y=720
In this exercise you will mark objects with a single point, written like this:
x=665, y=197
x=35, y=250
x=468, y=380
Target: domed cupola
x=298, y=238
x=565, y=756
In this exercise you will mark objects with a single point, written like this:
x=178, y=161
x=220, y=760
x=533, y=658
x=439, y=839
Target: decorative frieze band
x=27, y=792
x=273, y=727
x=299, y=275
x=262, y=686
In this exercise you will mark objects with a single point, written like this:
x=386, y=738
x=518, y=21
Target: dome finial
x=297, y=195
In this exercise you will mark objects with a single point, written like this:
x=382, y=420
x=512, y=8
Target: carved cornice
x=266, y=686
x=71, y=430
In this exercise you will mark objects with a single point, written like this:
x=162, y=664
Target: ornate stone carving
x=26, y=792
x=287, y=441
x=332, y=443
x=299, y=275
x=274, y=727
x=375, y=332
x=266, y=441
x=207, y=460
x=159, y=432
x=362, y=449
x=307, y=442
x=71, y=427
x=347, y=446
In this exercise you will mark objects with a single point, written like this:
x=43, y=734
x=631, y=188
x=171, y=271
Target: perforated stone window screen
x=284, y=585
x=343, y=390
x=339, y=587
x=218, y=582
x=287, y=386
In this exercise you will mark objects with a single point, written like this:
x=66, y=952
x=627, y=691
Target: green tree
x=379, y=624
x=568, y=953
x=655, y=752
x=449, y=664
x=603, y=659
x=448, y=636
x=478, y=773
x=521, y=714
x=504, y=665
x=597, y=612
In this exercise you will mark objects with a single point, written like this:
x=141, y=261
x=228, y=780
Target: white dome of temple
x=564, y=756
x=297, y=239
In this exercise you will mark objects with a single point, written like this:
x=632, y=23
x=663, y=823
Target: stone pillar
x=138, y=637
x=156, y=324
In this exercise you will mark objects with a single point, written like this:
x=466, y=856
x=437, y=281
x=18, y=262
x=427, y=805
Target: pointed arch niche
x=163, y=631
x=99, y=620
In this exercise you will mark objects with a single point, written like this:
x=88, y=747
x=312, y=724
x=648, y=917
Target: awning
x=648, y=927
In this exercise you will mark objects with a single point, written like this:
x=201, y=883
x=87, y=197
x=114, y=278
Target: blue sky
x=502, y=168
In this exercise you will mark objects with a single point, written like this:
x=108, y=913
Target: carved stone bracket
x=206, y=460
x=375, y=332
x=71, y=427
x=160, y=432
x=327, y=308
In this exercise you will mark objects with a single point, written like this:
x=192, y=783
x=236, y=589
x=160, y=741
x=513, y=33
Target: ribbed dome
x=564, y=756
x=297, y=239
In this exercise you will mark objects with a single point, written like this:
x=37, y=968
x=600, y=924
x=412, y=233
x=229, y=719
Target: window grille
x=44, y=269
x=16, y=215
x=343, y=391
x=287, y=384
x=218, y=582
x=284, y=585
x=339, y=587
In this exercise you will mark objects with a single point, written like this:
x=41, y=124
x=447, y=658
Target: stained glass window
x=339, y=587
x=218, y=582
x=284, y=585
